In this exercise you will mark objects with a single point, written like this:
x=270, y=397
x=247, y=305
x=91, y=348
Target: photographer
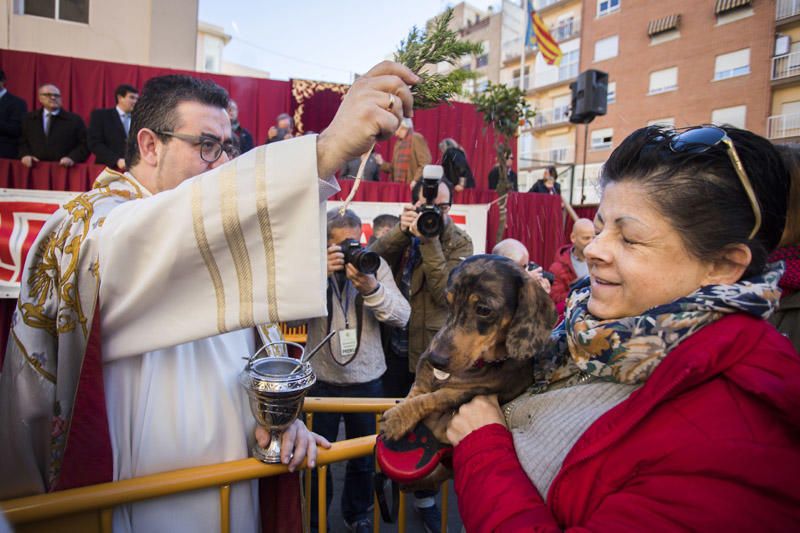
x=422, y=265
x=361, y=293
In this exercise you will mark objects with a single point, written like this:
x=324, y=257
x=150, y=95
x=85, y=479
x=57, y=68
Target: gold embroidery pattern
x=262, y=210
x=205, y=252
x=303, y=90
x=35, y=363
x=232, y=227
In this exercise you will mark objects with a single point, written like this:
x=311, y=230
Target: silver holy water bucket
x=276, y=387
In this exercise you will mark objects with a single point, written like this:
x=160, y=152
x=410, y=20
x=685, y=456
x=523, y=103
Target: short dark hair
x=123, y=90
x=347, y=220
x=417, y=190
x=160, y=97
x=551, y=170
x=385, y=221
x=701, y=195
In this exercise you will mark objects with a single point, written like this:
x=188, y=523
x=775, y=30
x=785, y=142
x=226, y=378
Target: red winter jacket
x=711, y=442
x=564, y=274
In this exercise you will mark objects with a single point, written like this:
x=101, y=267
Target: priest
x=141, y=297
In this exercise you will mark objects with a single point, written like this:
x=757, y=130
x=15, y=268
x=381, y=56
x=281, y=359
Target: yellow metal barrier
x=90, y=508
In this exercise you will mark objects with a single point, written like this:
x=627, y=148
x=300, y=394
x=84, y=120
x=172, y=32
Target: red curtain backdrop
x=86, y=85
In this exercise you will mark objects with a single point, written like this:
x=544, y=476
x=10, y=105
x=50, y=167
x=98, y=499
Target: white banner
x=471, y=218
x=22, y=214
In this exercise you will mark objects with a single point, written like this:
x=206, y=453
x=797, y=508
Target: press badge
x=348, y=342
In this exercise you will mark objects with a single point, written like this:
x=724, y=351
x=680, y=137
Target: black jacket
x=540, y=187
x=106, y=136
x=12, y=110
x=67, y=137
x=371, y=169
x=244, y=138
x=454, y=163
x=494, y=176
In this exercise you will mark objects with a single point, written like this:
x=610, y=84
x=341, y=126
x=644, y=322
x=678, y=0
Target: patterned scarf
x=402, y=159
x=627, y=350
x=790, y=282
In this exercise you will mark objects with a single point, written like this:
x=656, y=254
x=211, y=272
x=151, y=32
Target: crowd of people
x=666, y=399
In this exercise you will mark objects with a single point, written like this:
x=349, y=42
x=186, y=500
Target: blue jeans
x=357, y=495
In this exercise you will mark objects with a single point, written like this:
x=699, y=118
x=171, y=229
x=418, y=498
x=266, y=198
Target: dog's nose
x=438, y=360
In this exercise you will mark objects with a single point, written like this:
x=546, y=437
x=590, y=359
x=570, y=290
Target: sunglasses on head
x=701, y=139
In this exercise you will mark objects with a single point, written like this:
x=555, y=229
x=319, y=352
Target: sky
x=327, y=40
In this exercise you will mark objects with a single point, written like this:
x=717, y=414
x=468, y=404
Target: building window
x=662, y=81
x=668, y=122
x=481, y=84
x=602, y=139
x=604, y=7
x=612, y=92
x=483, y=59
x=732, y=64
x=70, y=10
x=568, y=68
x=606, y=48
x=734, y=116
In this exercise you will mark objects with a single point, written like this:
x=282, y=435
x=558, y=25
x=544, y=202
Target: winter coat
x=564, y=274
x=710, y=442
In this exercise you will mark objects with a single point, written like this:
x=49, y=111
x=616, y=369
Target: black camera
x=365, y=261
x=430, y=222
x=549, y=276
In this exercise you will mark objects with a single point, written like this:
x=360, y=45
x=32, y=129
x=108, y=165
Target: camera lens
x=366, y=262
x=429, y=223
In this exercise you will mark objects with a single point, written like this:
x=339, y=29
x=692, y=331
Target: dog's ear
x=533, y=321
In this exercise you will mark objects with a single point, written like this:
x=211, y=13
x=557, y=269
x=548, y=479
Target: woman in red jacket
x=667, y=401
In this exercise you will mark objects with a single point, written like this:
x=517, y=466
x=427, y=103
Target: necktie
x=126, y=122
x=48, y=117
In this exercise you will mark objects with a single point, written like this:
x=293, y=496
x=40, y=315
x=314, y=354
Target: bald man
x=570, y=263
x=517, y=252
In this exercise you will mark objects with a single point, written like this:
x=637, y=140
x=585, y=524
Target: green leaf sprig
x=438, y=44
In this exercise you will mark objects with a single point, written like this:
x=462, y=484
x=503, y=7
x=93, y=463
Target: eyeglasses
x=699, y=140
x=50, y=95
x=443, y=206
x=210, y=149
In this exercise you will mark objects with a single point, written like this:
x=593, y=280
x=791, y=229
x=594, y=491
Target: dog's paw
x=394, y=425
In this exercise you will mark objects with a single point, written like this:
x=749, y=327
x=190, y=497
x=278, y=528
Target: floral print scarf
x=627, y=350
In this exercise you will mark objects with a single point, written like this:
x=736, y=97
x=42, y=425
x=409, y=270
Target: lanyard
x=333, y=285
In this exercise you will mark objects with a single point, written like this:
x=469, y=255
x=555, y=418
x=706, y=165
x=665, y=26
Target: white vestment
x=238, y=246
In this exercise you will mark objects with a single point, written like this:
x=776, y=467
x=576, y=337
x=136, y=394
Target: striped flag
x=537, y=34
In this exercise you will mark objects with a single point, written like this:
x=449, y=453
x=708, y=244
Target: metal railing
x=786, y=8
x=566, y=30
x=781, y=126
x=550, y=117
x=515, y=82
x=551, y=76
x=92, y=506
x=537, y=158
x=786, y=66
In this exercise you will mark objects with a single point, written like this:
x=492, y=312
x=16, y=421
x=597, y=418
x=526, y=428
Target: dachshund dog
x=499, y=318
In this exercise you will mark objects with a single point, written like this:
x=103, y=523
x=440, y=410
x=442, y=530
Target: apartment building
x=783, y=125
x=681, y=63
x=550, y=138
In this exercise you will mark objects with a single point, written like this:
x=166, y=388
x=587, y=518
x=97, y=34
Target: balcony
x=546, y=118
x=568, y=29
x=785, y=66
x=512, y=50
x=786, y=9
x=563, y=74
x=783, y=126
x=515, y=83
x=550, y=156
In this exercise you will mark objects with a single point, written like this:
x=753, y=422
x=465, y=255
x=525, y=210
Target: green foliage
x=438, y=44
x=504, y=108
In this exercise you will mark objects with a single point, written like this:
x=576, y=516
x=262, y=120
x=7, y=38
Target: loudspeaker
x=589, y=96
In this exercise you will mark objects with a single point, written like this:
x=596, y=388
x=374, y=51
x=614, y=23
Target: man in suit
x=52, y=133
x=108, y=128
x=11, y=111
x=494, y=174
x=240, y=133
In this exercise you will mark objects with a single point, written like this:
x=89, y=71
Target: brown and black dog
x=499, y=319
